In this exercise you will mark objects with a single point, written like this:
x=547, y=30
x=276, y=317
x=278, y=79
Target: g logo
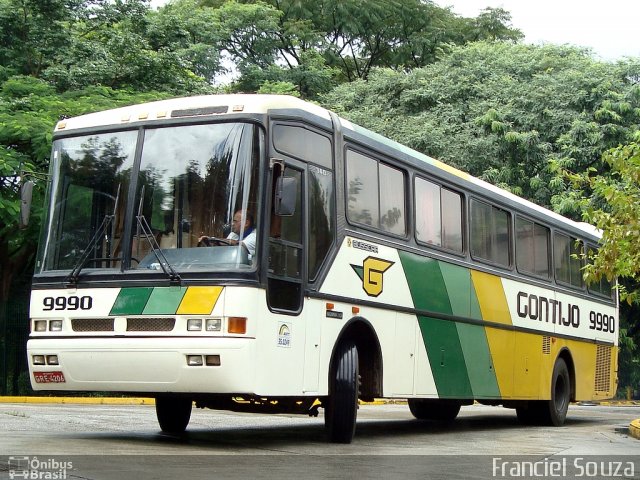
x=371, y=273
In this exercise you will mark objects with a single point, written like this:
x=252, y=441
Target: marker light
x=237, y=325
x=212, y=360
x=55, y=326
x=38, y=359
x=40, y=325
x=194, y=360
x=213, y=325
x=194, y=324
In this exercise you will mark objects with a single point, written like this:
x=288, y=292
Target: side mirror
x=286, y=196
x=26, y=192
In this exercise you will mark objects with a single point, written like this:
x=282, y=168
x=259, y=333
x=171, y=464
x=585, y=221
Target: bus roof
x=211, y=105
x=204, y=105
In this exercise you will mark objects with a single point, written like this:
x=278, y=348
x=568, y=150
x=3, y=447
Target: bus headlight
x=213, y=324
x=55, y=326
x=40, y=325
x=194, y=360
x=194, y=324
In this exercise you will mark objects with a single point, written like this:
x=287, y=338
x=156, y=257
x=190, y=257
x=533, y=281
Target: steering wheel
x=213, y=242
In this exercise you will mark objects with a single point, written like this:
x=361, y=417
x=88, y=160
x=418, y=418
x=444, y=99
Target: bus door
x=285, y=254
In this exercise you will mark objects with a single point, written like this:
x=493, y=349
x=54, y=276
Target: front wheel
x=341, y=407
x=173, y=413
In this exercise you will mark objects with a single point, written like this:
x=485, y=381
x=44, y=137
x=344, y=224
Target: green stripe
x=458, y=353
x=475, y=348
x=131, y=301
x=445, y=356
x=164, y=300
x=426, y=283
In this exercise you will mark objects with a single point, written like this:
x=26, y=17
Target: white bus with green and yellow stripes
x=355, y=269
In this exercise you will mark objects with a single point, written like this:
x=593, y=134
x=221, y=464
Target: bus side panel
x=527, y=366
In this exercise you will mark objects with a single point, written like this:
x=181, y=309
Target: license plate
x=49, y=377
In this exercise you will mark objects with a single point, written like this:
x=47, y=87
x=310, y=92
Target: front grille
x=603, y=368
x=165, y=324
x=92, y=324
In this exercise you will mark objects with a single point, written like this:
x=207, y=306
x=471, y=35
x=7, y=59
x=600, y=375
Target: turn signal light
x=237, y=325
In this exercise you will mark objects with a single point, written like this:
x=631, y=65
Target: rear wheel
x=341, y=407
x=173, y=413
x=443, y=411
x=554, y=411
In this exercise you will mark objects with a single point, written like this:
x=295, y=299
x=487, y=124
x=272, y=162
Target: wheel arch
x=361, y=332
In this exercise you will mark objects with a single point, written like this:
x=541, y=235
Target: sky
x=608, y=27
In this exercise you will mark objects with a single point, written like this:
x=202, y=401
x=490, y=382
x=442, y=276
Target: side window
x=532, y=248
x=321, y=224
x=567, y=262
x=303, y=143
x=490, y=233
x=602, y=287
x=438, y=215
x=376, y=194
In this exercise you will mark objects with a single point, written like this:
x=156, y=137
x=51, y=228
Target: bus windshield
x=119, y=205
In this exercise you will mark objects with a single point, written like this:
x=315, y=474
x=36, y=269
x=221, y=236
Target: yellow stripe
x=199, y=300
x=491, y=297
x=494, y=308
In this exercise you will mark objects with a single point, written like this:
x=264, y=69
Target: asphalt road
x=124, y=441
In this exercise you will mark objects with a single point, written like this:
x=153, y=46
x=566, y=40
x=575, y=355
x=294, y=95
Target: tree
x=503, y=111
x=611, y=202
x=29, y=109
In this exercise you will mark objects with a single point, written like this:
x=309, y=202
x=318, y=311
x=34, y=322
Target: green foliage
x=29, y=109
x=611, y=201
x=503, y=112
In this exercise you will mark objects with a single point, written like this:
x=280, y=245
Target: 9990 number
x=67, y=303
x=602, y=322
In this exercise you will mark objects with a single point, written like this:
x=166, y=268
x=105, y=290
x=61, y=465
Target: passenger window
x=532, y=248
x=438, y=215
x=568, y=264
x=375, y=194
x=603, y=286
x=490, y=233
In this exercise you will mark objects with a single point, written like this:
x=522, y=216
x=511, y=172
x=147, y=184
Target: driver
x=248, y=238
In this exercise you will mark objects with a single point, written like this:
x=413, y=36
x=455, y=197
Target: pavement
x=634, y=426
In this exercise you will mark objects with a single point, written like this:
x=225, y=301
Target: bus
x=374, y=272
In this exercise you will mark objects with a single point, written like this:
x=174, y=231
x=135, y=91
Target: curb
x=634, y=429
x=81, y=400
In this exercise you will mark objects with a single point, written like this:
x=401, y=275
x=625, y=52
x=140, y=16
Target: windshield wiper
x=75, y=272
x=157, y=251
x=72, y=279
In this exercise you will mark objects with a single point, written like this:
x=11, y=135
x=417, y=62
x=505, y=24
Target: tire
x=550, y=412
x=341, y=407
x=173, y=413
x=441, y=411
x=554, y=411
